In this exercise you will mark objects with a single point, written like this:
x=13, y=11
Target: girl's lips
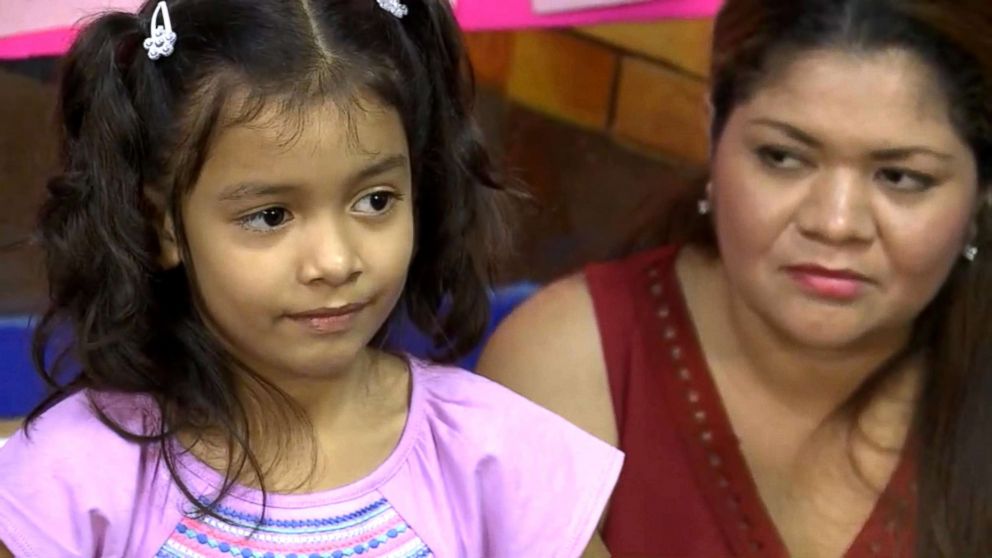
x=329, y=320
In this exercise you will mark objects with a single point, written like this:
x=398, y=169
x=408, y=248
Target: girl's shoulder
x=74, y=431
x=69, y=484
x=536, y=482
x=451, y=385
x=480, y=408
x=481, y=419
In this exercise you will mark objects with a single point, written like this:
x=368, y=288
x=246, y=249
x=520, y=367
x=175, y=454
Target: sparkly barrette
x=161, y=40
x=394, y=7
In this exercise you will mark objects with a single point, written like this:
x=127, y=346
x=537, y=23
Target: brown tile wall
x=642, y=84
x=598, y=122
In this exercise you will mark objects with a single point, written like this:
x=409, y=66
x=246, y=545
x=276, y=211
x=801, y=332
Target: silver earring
x=704, y=206
x=970, y=252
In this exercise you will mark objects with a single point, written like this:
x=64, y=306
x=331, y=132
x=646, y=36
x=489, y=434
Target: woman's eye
x=265, y=220
x=905, y=180
x=375, y=203
x=778, y=158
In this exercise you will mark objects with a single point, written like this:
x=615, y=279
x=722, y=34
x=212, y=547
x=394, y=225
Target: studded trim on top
x=721, y=468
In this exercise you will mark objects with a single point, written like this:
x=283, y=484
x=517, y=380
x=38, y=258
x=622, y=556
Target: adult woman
x=807, y=375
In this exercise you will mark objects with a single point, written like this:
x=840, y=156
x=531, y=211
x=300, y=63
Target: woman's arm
x=549, y=351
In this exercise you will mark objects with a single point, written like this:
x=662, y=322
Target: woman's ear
x=169, y=257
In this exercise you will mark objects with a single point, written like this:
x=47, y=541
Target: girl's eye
x=375, y=203
x=265, y=220
x=778, y=158
x=905, y=180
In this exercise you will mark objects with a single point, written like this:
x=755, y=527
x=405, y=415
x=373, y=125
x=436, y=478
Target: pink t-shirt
x=478, y=472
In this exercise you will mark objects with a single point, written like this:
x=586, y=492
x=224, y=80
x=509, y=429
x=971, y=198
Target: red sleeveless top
x=685, y=490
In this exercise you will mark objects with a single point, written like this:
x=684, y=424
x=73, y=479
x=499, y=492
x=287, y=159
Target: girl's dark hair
x=135, y=135
x=953, y=417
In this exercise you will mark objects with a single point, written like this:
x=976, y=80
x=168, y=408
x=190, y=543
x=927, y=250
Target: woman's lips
x=827, y=283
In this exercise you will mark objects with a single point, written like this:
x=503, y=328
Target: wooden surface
x=7, y=427
x=27, y=156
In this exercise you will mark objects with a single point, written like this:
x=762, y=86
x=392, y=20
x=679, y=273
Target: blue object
x=21, y=388
x=503, y=300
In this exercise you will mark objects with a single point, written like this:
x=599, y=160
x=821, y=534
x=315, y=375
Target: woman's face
x=843, y=196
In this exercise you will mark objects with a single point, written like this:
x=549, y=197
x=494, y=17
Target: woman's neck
x=816, y=383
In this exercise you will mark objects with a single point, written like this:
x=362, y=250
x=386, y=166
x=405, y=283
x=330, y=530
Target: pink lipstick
x=832, y=284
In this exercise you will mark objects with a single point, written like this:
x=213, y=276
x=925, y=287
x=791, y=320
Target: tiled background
x=26, y=156
x=598, y=122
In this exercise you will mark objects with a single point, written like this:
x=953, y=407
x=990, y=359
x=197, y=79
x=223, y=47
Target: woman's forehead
x=883, y=93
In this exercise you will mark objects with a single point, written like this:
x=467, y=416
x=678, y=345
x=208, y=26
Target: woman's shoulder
x=660, y=258
x=566, y=308
x=549, y=351
x=581, y=305
x=554, y=348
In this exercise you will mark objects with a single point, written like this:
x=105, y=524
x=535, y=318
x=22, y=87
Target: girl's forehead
x=321, y=146
x=277, y=124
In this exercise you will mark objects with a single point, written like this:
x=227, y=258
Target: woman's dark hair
x=953, y=417
x=135, y=135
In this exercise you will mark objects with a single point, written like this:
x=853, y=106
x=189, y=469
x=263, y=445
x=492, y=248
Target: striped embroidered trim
x=373, y=530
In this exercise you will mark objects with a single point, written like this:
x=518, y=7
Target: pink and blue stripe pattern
x=373, y=530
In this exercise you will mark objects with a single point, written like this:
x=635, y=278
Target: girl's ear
x=169, y=257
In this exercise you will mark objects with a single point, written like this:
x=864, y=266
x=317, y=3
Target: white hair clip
x=394, y=7
x=161, y=40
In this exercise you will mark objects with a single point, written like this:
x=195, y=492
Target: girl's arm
x=549, y=351
x=4, y=553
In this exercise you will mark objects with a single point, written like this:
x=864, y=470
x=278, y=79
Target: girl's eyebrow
x=379, y=166
x=248, y=190
x=255, y=189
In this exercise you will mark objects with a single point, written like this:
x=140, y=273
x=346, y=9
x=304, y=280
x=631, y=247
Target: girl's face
x=843, y=196
x=301, y=238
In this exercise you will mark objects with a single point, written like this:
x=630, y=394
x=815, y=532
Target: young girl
x=251, y=189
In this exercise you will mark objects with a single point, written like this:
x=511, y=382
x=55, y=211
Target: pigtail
x=133, y=328
x=466, y=235
x=95, y=210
